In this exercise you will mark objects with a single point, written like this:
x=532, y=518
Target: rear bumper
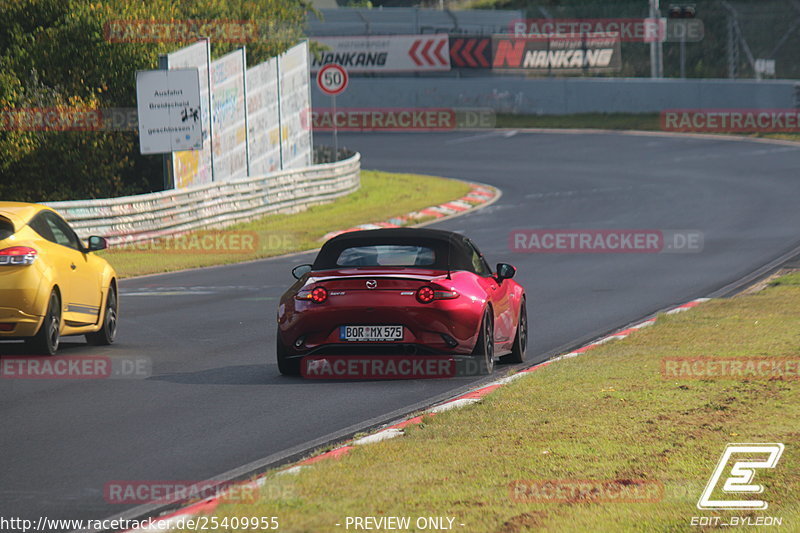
x=21, y=299
x=374, y=348
x=24, y=324
x=442, y=327
x=21, y=295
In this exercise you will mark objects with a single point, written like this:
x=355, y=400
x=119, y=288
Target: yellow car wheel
x=108, y=332
x=45, y=342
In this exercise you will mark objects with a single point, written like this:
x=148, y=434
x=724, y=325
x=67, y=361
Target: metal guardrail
x=410, y=21
x=216, y=205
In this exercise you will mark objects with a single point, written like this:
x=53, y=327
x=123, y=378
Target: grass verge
x=608, y=121
x=609, y=414
x=382, y=195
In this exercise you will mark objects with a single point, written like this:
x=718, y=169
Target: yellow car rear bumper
x=21, y=300
x=22, y=324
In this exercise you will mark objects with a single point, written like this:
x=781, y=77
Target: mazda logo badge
x=371, y=284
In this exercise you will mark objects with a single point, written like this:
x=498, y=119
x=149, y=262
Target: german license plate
x=370, y=333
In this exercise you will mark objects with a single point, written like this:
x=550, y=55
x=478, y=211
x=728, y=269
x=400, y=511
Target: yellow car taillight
x=17, y=255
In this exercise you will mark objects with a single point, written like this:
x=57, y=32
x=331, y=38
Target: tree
x=57, y=54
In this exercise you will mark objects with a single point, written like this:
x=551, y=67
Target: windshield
x=386, y=255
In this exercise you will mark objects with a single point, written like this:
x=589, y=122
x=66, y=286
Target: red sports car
x=402, y=291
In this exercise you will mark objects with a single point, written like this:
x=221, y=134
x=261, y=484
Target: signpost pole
x=656, y=45
x=335, y=136
x=683, y=53
x=210, y=104
x=166, y=162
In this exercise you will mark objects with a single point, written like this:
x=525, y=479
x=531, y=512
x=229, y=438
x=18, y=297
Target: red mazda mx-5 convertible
x=402, y=291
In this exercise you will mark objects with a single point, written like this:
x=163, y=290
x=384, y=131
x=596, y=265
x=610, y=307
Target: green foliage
x=360, y=3
x=54, y=53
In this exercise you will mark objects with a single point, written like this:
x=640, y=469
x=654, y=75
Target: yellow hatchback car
x=51, y=284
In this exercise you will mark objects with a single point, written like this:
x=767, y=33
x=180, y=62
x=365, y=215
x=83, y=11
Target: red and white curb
x=479, y=195
x=397, y=429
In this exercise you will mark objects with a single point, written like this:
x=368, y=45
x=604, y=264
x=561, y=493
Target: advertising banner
x=558, y=53
x=228, y=117
x=263, y=122
x=385, y=53
x=254, y=121
x=295, y=106
x=471, y=52
x=193, y=167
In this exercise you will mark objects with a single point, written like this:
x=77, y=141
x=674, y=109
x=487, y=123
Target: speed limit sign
x=332, y=79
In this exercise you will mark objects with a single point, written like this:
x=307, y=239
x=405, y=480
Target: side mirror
x=97, y=243
x=505, y=271
x=301, y=270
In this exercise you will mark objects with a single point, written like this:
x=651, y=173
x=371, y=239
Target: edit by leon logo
x=742, y=472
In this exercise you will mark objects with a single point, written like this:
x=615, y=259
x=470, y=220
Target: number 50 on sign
x=332, y=79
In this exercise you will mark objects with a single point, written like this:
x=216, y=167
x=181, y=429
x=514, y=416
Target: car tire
x=46, y=340
x=520, y=345
x=484, y=347
x=286, y=366
x=108, y=332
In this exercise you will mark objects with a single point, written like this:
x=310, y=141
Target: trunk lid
x=355, y=279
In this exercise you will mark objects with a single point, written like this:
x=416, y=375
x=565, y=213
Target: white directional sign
x=170, y=118
x=332, y=79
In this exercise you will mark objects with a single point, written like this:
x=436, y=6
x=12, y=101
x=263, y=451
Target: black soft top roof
x=447, y=246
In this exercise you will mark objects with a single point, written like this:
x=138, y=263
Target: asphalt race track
x=216, y=401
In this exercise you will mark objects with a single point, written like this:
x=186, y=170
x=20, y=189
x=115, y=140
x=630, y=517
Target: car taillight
x=426, y=294
x=445, y=295
x=319, y=295
x=17, y=255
